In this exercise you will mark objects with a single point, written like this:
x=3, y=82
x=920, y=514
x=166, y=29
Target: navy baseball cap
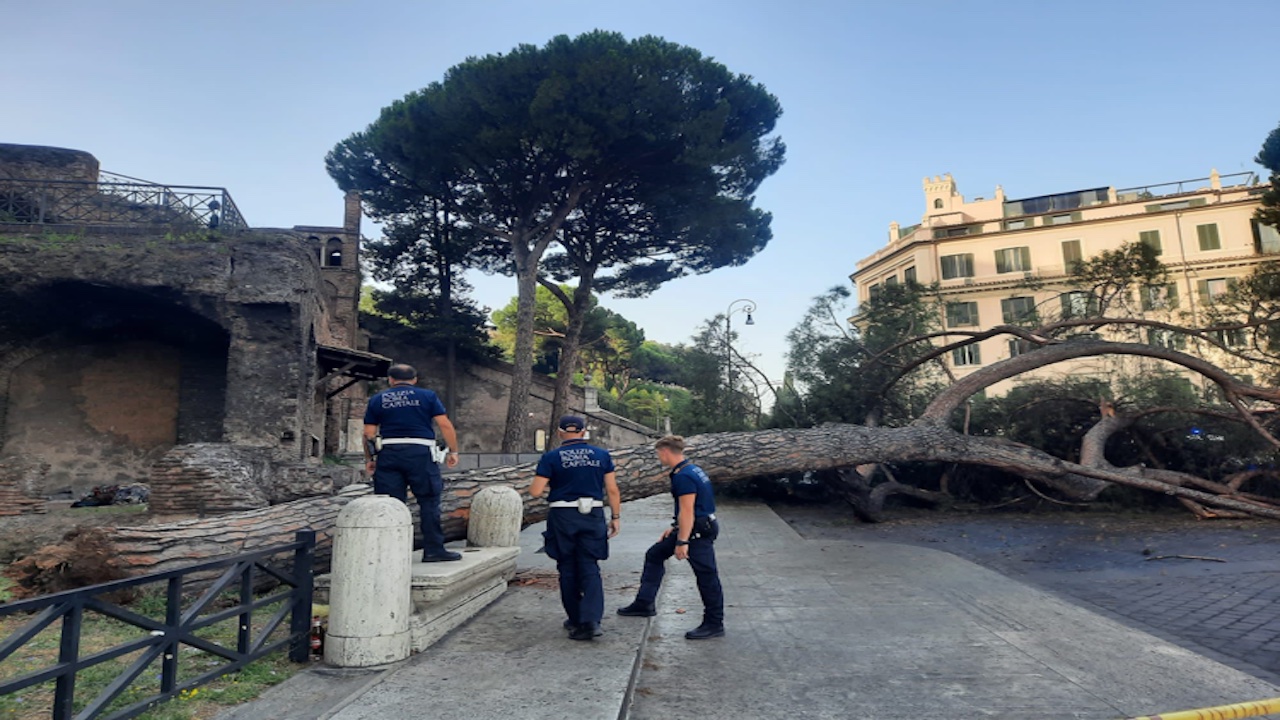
x=572, y=423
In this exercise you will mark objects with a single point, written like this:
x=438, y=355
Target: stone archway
x=98, y=382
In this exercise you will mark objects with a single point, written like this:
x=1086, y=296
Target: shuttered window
x=957, y=266
x=1018, y=310
x=1151, y=238
x=1071, y=255
x=1013, y=260
x=962, y=314
x=1208, y=235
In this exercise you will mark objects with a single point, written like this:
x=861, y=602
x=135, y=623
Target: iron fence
x=117, y=200
x=164, y=638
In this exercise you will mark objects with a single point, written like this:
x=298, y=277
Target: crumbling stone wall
x=214, y=478
x=38, y=162
x=19, y=481
x=235, y=314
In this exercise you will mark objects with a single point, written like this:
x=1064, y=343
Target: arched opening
x=333, y=253
x=314, y=243
x=937, y=204
x=100, y=381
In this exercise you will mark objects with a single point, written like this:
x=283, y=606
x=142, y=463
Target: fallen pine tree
x=727, y=457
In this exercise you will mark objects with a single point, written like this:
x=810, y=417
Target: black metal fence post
x=245, y=634
x=64, y=694
x=304, y=579
x=172, y=631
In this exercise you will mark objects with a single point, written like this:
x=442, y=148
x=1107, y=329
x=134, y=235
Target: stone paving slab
x=816, y=629
x=836, y=629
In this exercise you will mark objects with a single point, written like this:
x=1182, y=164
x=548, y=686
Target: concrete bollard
x=497, y=513
x=369, y=598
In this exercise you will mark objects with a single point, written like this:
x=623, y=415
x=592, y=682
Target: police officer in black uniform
x=402, y=415
x=692, y=537
x=580, y=476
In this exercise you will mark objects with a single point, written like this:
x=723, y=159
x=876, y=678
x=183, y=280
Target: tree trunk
x=725, y=456
x=513, y=434
x=570, y=348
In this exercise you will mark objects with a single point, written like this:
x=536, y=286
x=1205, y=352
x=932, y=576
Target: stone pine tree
x=1269, y=158
x=631, y=242
x=531, y=136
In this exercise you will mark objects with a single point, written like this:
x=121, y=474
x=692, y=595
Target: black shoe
x=569, y=624
x=638, y=609
x=446, y=556
x=705, y=632
x=584, y=631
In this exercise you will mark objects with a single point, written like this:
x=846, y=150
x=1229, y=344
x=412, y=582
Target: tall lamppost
x=748, y=308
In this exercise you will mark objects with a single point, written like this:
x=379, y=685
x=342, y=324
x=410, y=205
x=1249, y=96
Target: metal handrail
x=1184, y=187
x=117, y=200
x=165, y=637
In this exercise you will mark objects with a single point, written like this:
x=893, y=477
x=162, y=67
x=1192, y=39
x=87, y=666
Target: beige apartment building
x=995, y=260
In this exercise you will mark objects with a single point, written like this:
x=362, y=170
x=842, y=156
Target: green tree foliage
x=1050, y=415
x=422, y=254
x=1113, y=279
x=608, y=339
x=846, y=373
x=718, y=400
x=1269, y=158
x=529, y=139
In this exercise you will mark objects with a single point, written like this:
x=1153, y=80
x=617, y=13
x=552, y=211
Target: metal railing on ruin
x=117, y=200
x=228, y=593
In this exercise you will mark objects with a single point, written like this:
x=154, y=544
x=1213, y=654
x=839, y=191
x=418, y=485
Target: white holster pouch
x=438, y=454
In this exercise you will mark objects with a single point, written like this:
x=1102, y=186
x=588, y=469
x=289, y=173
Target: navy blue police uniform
x=404, y=413
x=577, y=541
x=689, y=479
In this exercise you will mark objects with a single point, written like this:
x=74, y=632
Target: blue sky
x=1038, y=97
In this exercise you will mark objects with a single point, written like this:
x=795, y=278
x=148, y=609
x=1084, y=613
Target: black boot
x=446, y=556
x=705, y=631
x=585, y=631
x=638, y=609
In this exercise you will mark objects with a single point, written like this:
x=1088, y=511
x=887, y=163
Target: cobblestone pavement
x=1223, y=600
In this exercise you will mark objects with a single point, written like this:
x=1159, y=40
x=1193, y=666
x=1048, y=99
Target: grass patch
x=100, y=633
x=6, y=587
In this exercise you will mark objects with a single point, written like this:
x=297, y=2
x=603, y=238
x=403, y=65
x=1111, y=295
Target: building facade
x=1003, y=261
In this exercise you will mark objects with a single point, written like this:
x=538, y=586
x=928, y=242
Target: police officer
x=692, y=537
x=402, y=414
x=580, y=476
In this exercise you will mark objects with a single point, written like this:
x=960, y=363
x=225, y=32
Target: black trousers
x=702, y=558
x=577, y=543
x=410, y=467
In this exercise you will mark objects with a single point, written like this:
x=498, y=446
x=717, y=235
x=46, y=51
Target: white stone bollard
x=369, y=597
x=497, y=512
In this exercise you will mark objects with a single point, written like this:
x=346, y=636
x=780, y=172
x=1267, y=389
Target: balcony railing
x=1183, y=187
x=117, y=200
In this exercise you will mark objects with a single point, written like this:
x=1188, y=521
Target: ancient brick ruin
x=146, y=334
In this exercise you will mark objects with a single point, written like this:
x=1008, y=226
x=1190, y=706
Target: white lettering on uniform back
x=399, y=400
x=578, y=457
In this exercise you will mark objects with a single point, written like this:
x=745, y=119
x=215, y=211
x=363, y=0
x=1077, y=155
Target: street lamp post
x=748, y=308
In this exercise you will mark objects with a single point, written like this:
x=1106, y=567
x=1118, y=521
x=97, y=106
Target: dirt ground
x=1220, y=598
x=22, y=534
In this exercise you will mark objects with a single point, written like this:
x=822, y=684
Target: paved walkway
x=816, y=629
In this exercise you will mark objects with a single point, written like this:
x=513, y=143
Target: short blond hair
x=674, y=443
